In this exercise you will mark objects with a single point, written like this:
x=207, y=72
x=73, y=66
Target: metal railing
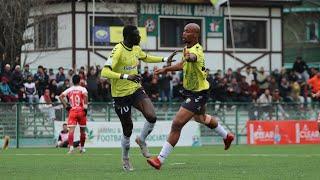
x=35, y=122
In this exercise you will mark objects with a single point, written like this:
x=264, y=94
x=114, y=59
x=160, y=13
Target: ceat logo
x=307, y=133
x=261, y=134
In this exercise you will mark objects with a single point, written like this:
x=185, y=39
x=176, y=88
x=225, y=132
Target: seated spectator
x=83, y=81
x=104, y=91
x=41, y=80
x=65, y=86
x=300, y=68
x=7, y=72
x=6, y=94
x=60, y=77
x=46, y=105
x=164, y=85
x=16, y=79
x=26, y=72
x=277, y=100
x=265, y=103
x=51, y=74
x=238, y=75
x=295, y=93
x=63, y=138
x=262, y=80
x=315, y=83
x=154, y=88
x=53, y=87
x=254, y=87
x=285, y=90
x=273, y=85
x=176, y=85
x=248, y=75
x=229, y=75
x=31, y=91
x=70, y=75
x=313, y=72
x=234, y=90
x=146, y=79
x=244, y=90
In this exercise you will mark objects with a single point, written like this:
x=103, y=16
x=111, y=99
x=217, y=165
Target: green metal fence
x=33, y=125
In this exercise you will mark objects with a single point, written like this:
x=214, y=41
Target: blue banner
x=101, y=34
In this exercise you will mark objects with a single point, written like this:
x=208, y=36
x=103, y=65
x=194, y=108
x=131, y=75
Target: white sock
x=147, y=129
x=221, y=131
x=165, y=151
x=125, y=144
x=71, y=148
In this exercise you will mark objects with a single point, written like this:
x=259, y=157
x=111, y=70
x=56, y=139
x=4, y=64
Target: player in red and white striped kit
x=78, y=99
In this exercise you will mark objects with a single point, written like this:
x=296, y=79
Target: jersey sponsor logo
x=129, y=68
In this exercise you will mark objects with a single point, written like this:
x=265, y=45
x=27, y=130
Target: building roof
x=265, y=2
x=306, y=7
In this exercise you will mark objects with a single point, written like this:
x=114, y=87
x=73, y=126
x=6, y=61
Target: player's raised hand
x=170, y=58
x=135, y=78
x=159, y=71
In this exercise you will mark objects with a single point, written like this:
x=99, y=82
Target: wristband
x=165, y=59
x=125, y=76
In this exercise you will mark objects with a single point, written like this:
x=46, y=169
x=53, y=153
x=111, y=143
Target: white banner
x=108, y=134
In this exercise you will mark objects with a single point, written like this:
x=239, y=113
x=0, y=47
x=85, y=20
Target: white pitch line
x=173, y=164
x=183, y=154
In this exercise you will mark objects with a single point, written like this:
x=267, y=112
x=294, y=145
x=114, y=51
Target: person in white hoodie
x=31, y=91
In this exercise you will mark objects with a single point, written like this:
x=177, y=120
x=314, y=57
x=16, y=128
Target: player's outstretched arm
x=156, y=59
x=176, y=67
x=108, y=73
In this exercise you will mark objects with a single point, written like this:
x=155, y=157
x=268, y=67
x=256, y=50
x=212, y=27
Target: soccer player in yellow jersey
x=126, y=90
x=196, y=92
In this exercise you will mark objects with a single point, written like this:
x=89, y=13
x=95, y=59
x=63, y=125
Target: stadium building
x=80, y=33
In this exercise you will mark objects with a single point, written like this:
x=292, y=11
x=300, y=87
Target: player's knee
x=151, y=118
x=211, y=122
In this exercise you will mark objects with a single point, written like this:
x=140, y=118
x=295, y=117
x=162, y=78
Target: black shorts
x=122, y=105
x=195, y=101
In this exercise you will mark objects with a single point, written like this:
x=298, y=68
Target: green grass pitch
x=208, y=162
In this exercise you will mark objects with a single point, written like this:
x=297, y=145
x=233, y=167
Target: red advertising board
x=282, y=132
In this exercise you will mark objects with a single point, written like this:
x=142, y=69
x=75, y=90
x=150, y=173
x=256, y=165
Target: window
x=311, y=31
x=248, y=34
x=46, y=33
x=101, y=28
x=171, y=30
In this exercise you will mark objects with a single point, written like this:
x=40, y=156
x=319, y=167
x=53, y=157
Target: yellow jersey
x=194, y=74
x=125, y=60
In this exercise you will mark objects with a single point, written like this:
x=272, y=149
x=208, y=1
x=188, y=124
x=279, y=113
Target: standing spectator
x=60, y=77
x=6, y=94
x=176, y=85
x=234, y=90
x=255, y=73
x=26, y=72
x=313, y=72
x=92, y=85
x=154, y=88
x=214, y=86
x=277, y=100
x=31, y=91
x=146, y=79
x=41, y=80
x=248, y=75
x=70, y=75
x=104, y=91
x=301, y=68
x=46, y=105
x=83, y=81
x=51, y=74
x=262, y=80
x=16, y=79
x=164, y=85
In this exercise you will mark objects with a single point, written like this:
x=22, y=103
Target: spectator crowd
x=249, y=84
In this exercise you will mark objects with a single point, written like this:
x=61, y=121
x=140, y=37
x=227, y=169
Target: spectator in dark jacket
x=301, y=68
x=164, y=85
x=26, y=72
x=41, y=80
x=7, y=72
x=285, y=90
x=60, y=77
x=92, y=85
x=16, y=79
